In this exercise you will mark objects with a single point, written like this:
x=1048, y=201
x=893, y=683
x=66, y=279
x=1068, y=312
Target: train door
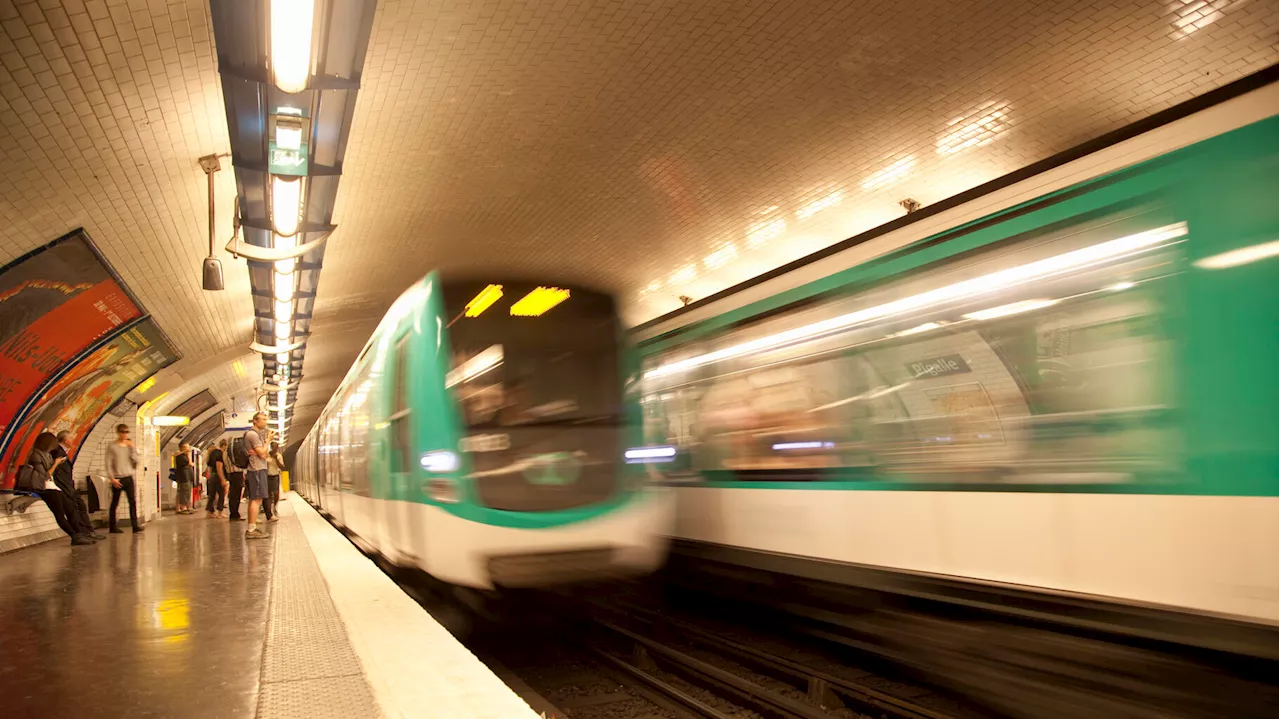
x=397, y=457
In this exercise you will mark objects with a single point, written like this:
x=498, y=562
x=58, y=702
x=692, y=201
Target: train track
x=597, y=659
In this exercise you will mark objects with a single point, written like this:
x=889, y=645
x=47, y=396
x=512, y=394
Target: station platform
x=190, y=619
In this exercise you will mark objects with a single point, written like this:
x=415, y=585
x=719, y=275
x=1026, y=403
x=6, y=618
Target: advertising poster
x=89, y=389
x=55, y=304
x=193, y=407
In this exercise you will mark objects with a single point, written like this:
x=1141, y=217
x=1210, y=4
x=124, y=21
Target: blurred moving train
x=1064, y=383
x=479, y=437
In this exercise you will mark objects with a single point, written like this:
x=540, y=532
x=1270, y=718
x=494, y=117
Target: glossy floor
x=167, y=623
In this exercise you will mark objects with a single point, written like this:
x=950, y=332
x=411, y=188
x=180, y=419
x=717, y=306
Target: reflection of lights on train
x=968, y=289
x=646, y=455
x=787, y=446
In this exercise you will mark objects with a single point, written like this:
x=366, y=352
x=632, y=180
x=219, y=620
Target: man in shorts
x=257, y=440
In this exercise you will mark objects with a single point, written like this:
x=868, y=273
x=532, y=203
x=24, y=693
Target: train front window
x=556, y=368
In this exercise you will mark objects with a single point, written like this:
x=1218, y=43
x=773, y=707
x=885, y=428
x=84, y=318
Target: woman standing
x=42, y=464
x=185, y=477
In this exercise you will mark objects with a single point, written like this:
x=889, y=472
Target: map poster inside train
x=55, y=304
x=89, y=389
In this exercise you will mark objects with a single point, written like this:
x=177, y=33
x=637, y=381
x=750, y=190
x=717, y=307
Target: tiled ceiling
x=655, y=149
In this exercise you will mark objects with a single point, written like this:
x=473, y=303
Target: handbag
x=28, y=479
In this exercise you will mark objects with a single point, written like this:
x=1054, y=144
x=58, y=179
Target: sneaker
x=116, y=530
x=137, y=529
x=80, y=539
x=274, y=518
x=255, y=533
x=237, y=519
x=96, y=537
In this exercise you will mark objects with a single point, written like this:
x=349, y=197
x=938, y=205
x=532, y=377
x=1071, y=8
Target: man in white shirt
x=122, y=462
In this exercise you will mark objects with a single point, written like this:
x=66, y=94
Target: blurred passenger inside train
x=37, y=476
x=185, y=476
x=64, y=477
x=216, y=484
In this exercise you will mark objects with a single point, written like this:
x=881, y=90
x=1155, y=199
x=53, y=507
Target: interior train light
x=1242, y=256
x=649, y=455
x=286, y=204
x=539, y=301
x=170, y=421
x=482, y=301
x=291, y=22
x=1000, y=281
x=474, y=367
x=786, y=446
x=439, y=461
x=1012, y=308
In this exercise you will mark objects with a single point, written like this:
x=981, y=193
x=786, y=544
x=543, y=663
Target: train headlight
x=441, y=461
x=649, y=455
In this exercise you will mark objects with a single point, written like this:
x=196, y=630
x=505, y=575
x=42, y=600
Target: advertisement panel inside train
x=55, y=304
x=89, y=389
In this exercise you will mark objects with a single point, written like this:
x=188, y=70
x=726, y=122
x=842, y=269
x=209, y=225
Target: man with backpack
x=237, y=462
x=257, y=440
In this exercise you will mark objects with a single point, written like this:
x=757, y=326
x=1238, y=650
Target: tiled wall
x=37, y=523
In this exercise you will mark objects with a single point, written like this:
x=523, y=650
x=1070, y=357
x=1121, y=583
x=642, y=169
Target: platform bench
x=17, y=500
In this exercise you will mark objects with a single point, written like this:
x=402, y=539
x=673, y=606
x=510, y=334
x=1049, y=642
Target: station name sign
x=940, y=366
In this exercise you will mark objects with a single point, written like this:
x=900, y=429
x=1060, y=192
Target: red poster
x=88, y=390
x=55, y=303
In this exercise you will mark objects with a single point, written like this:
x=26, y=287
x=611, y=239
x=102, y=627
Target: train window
x=1045, y=362
x=402, y=446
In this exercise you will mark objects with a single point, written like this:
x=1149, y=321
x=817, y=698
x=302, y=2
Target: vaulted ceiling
x=653, y=149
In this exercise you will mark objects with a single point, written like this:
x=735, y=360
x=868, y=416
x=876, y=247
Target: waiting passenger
x=275, y=465
x=64, y=477
x=235, y=478
x=216, y=485
x=256, y=441
x=122, y=462
x=185, y=476
x=39, y=471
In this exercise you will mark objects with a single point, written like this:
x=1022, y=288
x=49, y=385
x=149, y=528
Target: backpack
x=239, y=450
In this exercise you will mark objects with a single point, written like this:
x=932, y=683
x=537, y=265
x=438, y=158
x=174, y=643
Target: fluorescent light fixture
x=283, y=358
x=1242, y=256
x=896, y=171
x=1013, y=308
x=284, y=310
x=539, y=301
x=785, y=446
x=286, y=204
x=284, y=329
x=926, y=327
x=288, y=133
x=170, y=421
x=648, y=455
x=284, y=287
x=439, y=461
x=147, y=384
x=1000, y=281
x=474, y=367
x=291, y=22
x=483, y=300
